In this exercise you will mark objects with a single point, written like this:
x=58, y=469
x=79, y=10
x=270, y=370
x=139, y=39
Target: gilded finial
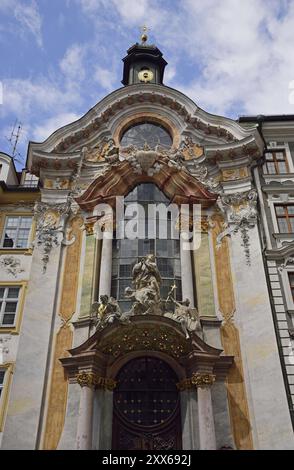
x=144, y=36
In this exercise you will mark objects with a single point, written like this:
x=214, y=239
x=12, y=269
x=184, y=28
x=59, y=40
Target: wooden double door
x=146, y=408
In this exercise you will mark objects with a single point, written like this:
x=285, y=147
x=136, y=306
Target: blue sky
x=60, y=57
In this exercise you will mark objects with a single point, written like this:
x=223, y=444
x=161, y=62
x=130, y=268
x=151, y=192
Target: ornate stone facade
x=210, y=322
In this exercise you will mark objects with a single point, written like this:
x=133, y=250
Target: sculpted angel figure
x=187, y=316
x=107, y=310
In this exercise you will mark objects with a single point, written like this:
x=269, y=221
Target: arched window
x=126, y=253
x=146, y=133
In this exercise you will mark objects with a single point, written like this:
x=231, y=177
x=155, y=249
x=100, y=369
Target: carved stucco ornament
x=11, y=265
x=51, y=227
x=289, y=261
x=241, y=214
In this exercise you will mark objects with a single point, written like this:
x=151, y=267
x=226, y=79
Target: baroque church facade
x=108, y=342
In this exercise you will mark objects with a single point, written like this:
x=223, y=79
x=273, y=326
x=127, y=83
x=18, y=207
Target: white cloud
x=23, y=97
x=72, y=63
x=27, y=15
x=105, y=78
x=241, y=51
x=45, y=129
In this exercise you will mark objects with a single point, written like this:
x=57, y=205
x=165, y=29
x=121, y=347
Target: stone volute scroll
x=146, y=300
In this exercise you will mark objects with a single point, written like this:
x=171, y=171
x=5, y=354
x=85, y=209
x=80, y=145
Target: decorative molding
x=91, y=380
x=198, y=379
x=11, y=265
x=289, y=261
x=145, y=338
x=241, y=215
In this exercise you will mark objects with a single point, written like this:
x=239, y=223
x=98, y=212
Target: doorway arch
x=146, y=406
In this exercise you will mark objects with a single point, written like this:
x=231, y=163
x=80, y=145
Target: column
x=203, y=382
x=105, y=265
x=189, y=415
x=85, y=419
x=186, y=274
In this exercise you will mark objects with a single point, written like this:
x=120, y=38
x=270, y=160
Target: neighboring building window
x=276, y=163
x=30, y=181
x=9, y=297
x=16, y=232
x=285, y=218
x=126, y=253
x=291, y=282
x=2, y=377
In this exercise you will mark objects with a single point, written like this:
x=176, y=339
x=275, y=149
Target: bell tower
x=144, y=63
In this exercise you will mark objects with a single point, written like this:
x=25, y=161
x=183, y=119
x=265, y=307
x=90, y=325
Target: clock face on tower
x=145, y=75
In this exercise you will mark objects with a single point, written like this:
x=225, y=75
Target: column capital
x=198, y=379
x=202, y=379
x=91, y=380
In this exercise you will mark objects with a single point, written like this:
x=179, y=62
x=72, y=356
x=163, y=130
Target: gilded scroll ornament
x=91, y=380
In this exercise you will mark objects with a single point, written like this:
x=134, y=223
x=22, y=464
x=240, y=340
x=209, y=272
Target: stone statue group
x=146, y=299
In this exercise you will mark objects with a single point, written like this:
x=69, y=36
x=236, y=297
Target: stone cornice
x=280, y=253
x=98, y=120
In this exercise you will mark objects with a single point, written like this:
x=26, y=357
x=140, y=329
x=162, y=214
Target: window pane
x=292, y=224
x=280, y=156
x=2, y=374
x=282, y=167
x=146, y=247
x=13, y=293
x=22, y=243
x=271, y=168
x=114, y=288
x=269, y=156
x=290, y=210
x=12, y=222
x=125, y=270
x=283, y=225
x=280, y=210
x=26, y=222
x=8, y=319
x=10, y=307
x=123, y=284
x=2, y=292
x=165, y=267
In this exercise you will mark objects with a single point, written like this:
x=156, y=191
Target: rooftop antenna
x=14, y=139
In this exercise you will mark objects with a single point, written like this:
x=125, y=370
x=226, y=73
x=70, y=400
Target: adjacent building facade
x=99, y=348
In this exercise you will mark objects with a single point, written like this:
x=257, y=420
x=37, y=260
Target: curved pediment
x=179, y=113
x=177, y=184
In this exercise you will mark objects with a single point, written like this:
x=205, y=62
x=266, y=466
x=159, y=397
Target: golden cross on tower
x=144, y=30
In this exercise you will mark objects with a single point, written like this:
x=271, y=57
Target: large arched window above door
x=146, y=133
x=126, y=253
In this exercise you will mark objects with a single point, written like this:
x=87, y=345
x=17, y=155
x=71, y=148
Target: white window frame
x=287, y=288
x=5, y=299
x=19, y=216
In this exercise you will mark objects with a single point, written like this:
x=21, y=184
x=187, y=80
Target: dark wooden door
x=146, y=411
